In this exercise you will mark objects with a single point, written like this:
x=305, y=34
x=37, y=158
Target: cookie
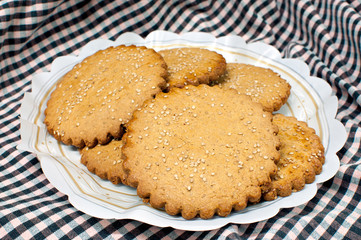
x=302, y=157
x=193, y=66
x=200, y=151
x=93, y=101
x=261, y=84
x=105, y=161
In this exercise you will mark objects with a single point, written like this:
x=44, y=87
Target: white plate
x=99, y=198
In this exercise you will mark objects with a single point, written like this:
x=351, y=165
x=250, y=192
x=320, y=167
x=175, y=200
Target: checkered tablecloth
x=325, y=34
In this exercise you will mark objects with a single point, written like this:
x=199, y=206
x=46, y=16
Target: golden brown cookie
x=193, y=66
x=97, y=97
x=302, y=157
x=200, y=151
x=105, y=161
x=261, y=84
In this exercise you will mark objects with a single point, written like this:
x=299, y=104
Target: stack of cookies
x=194, y=135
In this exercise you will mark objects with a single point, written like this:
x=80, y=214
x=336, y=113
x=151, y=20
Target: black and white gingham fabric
x=325, y=34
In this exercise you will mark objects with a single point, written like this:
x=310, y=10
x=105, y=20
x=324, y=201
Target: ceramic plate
x=100, y=198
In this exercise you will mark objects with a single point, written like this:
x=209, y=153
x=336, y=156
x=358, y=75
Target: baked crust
x=302, y=157
x=200, y=151
x=261, y=84
x=105, y=161
x=193, y=66
x=93, y=101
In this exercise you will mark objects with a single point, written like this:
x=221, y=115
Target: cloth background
x=325, y=34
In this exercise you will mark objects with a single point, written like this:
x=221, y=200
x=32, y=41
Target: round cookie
x=193, y=66
x=302, y=157
x=261, y=84
x=105, y=161
x=98, y=96
x=200, y=151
